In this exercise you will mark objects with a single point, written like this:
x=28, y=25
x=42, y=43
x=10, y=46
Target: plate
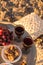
x=31, y=55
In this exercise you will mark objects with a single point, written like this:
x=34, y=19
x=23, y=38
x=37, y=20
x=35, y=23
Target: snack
x=11, y=53
x=24, y=62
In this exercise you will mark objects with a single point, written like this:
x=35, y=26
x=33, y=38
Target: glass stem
x=19, y=37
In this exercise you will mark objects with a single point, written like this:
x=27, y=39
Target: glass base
x=25, y=51
x=18, y=39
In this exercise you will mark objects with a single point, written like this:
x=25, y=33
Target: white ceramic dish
x=6, y=60
x=5, y=64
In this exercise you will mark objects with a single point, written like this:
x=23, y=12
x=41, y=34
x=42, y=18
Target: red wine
x=19, y=30
x=28, y=42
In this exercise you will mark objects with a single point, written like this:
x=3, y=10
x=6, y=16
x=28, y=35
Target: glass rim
x=30, y=39
x=21, y=27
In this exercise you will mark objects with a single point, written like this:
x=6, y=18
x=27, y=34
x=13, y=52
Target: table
x=34, y=26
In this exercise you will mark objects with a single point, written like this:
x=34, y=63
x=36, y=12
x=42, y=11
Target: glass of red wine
x=19, y=30
x=27, y=43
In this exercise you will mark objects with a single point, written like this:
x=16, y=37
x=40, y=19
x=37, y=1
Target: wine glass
x=27, y=43
x=19, y=30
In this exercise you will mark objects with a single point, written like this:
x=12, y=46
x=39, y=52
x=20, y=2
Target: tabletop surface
x=34, y=26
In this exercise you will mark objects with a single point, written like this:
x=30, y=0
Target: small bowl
x=8, y=61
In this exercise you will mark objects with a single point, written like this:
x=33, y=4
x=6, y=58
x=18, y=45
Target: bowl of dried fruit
x=11, y=53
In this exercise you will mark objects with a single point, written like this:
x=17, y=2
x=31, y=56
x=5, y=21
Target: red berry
x=3, y=43
x=7, y=43
x=0, y=40
x=3, y=36
x=1, y=31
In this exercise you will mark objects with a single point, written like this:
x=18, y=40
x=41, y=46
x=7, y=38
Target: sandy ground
x=13, y=10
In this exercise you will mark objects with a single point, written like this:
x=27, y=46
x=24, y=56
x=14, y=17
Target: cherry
x=1, y=32
x=3, y=36
x=1, y=39
x=3, y=43
x=7, y=43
